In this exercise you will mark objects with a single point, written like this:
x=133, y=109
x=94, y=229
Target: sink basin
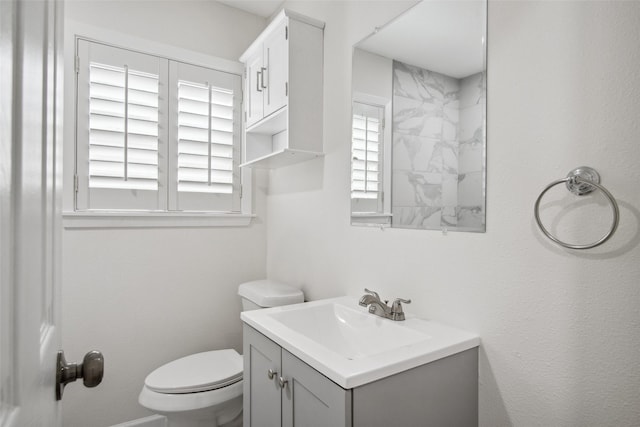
x=352, y=347
x=347, y=331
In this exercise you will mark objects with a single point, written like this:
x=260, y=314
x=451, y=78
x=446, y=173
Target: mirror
x=419, y=120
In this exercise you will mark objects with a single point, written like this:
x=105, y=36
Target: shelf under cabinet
x=272, y=124
x=284, y=157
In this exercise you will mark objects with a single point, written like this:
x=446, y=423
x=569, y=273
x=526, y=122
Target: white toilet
x=205, y=389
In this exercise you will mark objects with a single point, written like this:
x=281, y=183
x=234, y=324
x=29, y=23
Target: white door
x=276, y=53
x=30, y=91
x=255, y=81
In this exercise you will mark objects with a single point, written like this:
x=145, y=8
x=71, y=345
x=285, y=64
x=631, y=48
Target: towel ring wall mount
x=580, y=181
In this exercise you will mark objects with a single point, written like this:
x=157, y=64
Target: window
x=366, y=158
x=154, y=134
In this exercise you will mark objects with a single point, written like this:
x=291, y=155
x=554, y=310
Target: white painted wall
x=559, y=329
x=147, y=296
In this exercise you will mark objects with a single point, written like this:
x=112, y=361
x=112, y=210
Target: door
x=30, y=66
x=255, y=88
x=276, y=53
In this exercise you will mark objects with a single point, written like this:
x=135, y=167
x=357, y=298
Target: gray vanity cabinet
x=282, y=391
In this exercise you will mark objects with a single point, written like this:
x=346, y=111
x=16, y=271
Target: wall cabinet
x=283, y=88
x=280, y=390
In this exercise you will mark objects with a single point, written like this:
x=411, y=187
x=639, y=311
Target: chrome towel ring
x=580, y=181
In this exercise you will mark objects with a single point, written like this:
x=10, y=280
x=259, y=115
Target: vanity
x=332, y=363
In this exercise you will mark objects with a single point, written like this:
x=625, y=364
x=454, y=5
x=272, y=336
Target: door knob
x=91, y=370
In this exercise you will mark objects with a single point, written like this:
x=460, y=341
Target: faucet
x=379, y=308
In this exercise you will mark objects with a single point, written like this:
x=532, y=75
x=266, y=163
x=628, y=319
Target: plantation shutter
x=205, y=134
x=366, y=155
x=119, y=128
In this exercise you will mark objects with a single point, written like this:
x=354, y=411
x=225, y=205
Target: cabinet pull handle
x=262, y=70
x=271, y=374
x=258, y=74
x=282, y=382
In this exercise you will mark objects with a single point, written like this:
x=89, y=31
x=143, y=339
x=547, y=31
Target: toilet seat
x=167, y=402
x=201, y=372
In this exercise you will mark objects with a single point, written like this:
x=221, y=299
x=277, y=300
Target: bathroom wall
x=559, y=328
x=147, y=296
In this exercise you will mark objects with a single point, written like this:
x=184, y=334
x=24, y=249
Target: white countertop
x=352, y=347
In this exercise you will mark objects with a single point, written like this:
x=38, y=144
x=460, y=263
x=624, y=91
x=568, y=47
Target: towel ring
x=580, y=181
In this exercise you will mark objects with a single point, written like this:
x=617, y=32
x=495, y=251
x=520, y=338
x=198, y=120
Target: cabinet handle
x=271, y=373
x=262, y=70
x=282, y=382
x=258, y=74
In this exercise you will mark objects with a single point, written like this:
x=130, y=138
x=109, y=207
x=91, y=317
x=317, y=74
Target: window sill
x=371, y=219
x=75, y=220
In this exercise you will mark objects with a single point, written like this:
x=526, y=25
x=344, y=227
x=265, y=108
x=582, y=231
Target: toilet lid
x=198, y=372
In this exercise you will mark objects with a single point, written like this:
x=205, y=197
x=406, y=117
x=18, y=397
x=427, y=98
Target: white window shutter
x=366, y=152
x=119, y=129
x=205, y=136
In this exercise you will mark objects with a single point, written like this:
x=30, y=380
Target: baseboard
x=152, y=421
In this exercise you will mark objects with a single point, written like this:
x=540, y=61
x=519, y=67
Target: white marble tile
x=449, y=217
x=450, y=124
x=415, y=153
x=414, y=82
x=411, y=116
x=451, y=89
x=449, y=154
x=417, y=217
x=470, y=123
x=416, y=189
x=470, y=158
x=450, y=190
x=471, y=90
x=470, y=192
x=471, y=217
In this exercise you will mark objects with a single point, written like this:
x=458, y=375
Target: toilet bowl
x=206, y=388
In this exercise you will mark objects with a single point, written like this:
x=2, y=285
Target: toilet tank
x=268, y=293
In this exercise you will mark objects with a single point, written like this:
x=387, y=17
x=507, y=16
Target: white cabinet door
x=255, y=81
x=276, y=54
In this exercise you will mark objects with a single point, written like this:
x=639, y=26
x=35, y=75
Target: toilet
x=205, y=389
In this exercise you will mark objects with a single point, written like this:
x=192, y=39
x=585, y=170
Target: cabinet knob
x=282, y=382
x=271, y=373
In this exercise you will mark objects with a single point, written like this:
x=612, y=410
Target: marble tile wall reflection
x=437, y=149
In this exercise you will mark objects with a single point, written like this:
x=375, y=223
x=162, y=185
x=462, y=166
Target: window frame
x=73, y=218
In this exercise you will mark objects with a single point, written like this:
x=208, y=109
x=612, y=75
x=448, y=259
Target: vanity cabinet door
x=262, y=369
x=255, y=88
x=310, y=399
x=276, y=57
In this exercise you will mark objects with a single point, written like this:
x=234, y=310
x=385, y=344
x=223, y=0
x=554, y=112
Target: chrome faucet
x=379, y=308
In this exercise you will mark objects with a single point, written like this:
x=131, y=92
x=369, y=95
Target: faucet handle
x=396, y=308
x=374, y=293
